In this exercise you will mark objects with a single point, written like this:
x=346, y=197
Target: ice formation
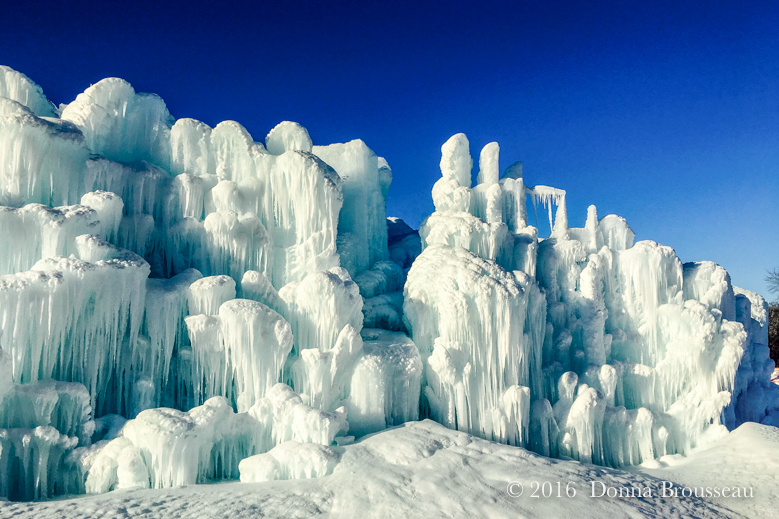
x=582, y=344
x=181, y=304
x=290, y=460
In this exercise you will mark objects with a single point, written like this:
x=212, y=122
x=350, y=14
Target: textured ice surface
x=385, y=384
x=42, y=160
x=120, y=124
x=76, y=319
x=15, y=86
x=176, y=298
x=244, y=348
x=286, y=136
x=362, y=221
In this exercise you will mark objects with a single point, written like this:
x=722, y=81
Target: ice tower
x=581, y=344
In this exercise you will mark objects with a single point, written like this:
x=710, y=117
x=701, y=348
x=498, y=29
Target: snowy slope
x=747, y=457
x=418, y=470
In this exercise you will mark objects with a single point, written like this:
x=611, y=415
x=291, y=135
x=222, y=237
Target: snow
x=422, y=469
x=182, y=305
x=743, y=459
x=290, y=460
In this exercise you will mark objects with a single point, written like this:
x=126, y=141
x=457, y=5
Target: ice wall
x=127, y=238
x=42, y=160
x=362, y=229
x=197, y=197
x=40, y=425
x=121, y=125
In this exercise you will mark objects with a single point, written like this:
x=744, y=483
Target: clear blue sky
x=666, y=113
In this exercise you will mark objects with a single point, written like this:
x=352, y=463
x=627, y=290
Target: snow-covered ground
x=747, y=458
x=421, y=469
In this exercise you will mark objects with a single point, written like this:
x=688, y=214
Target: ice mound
x=385, y=384
x=120, y=124
x=54, y=327
x=42, y=160
x=468, y=320
x=286, y=136
x=165, y=447
x=196, y=197
x=62, y=405
x=362, y=229
x=290, y=460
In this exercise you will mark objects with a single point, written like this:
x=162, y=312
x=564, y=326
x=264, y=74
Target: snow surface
x=422, y=469
x=180, y=304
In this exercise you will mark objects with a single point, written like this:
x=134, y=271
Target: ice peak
x=488, y=165
x=456, y=162
x=286, y=136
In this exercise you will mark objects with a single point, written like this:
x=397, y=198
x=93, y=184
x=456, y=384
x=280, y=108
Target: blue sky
x=666, y=113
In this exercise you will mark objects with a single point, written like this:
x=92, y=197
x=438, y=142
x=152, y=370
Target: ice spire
x=456, y=162
x=488, y=165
